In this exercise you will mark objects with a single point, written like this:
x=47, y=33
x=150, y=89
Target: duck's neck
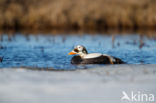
x=82, y=55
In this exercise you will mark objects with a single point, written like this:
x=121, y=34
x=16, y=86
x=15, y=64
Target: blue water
x=51, y=51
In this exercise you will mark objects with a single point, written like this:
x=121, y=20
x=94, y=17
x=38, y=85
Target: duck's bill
x=71, y=53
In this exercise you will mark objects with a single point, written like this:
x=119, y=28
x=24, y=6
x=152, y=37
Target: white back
x=92, y=55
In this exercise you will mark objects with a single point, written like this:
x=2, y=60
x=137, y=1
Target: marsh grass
x=78, y=14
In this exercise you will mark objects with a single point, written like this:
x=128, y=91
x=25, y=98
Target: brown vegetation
x=77, y=14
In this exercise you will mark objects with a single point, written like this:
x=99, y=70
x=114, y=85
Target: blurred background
x=97, y=15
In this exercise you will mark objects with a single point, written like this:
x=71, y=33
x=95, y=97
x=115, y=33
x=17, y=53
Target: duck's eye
x=76, y=50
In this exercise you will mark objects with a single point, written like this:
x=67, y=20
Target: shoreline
x=141, y=32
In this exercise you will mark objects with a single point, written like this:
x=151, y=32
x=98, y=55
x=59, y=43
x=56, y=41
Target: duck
x=83, y=57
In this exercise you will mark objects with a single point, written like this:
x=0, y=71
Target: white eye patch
x=79, y=48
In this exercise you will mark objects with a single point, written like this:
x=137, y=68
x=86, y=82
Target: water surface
x=51, y=51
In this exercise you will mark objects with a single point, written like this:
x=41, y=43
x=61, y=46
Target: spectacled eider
x=92, y=58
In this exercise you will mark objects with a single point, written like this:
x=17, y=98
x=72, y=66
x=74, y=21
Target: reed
x=77, y=14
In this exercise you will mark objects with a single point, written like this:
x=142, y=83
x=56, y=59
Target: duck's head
x=79, y=49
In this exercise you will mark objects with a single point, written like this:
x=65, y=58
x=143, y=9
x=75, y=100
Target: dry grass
x=77, y=14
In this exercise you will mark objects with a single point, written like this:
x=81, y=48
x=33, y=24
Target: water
x=79, y=85
x=51, y=51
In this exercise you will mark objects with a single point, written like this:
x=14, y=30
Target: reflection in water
x=113, y=39
x=141, y=41
x=1, y=59
x=50, y=51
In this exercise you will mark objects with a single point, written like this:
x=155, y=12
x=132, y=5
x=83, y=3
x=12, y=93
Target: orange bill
x=71, y=53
